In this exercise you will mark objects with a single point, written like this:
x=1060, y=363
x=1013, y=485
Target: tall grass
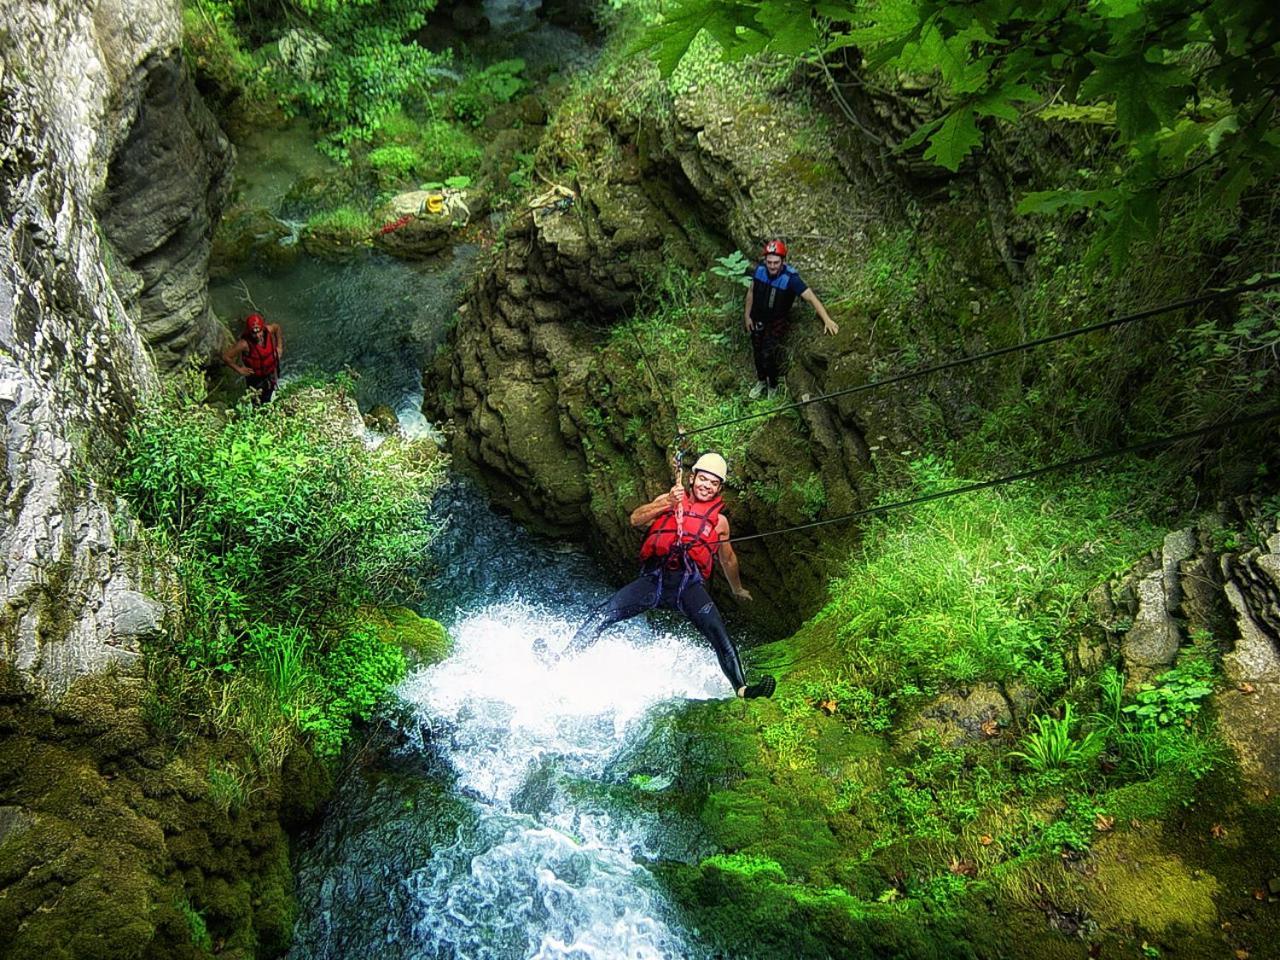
x=983, y=586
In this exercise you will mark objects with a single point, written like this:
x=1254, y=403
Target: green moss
x=424, y=641
x=1141, y=884
x=112, y=846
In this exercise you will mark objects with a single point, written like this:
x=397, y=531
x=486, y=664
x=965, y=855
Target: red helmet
x=775, y=248
x=254, y=322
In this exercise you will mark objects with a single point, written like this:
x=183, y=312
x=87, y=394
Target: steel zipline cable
x=1259, y=417
x=1262, y=283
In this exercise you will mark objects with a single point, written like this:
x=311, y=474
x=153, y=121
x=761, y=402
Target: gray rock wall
x=166, y=186
x=73, y=364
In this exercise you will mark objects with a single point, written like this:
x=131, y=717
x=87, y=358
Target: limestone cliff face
x=74, y=80
x=166, y=186
x=537, y=406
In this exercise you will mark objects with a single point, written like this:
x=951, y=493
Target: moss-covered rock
x=423, y=640
x=114, y=844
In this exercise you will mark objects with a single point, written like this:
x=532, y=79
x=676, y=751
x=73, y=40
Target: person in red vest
x=677, y=561
x=256, y=355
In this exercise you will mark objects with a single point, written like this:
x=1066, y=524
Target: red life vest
x=261, y=358
x=698, y=537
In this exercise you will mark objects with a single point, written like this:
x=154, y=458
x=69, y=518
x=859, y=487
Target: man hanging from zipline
x=686, y=535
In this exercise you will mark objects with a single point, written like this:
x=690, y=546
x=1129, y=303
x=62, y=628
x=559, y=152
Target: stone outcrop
x=74, y=80
x=1202, y=583
x=166, y=185
x=537, y=408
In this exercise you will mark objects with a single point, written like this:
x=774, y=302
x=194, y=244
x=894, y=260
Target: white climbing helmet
x=713, y=464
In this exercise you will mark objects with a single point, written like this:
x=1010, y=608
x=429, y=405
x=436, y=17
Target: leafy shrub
x=369, y=69
x=447, y=150
x=349, y=682
x=1176, y=695
x=278, y=517
x=394, y=162
x=480, y=91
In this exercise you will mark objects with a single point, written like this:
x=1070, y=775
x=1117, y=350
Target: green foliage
x=682, y=331
x=813, y=495
x=200, y=937
x=1177, y=694
x=1053, y=746
x=280, y=524
x=228, y=787
x=394, y=162
x=279, y=652
x=482, y=90
x=345, y=220
x=214, y=47
x=1185, y=89
x=367, y=70
x=734, y=267
x=447, y=150
x=351, y=680
x=977, y=587
x=521, y=178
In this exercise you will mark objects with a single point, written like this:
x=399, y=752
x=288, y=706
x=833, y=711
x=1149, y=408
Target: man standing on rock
x=261, y=345
x=775, y=285
x=685, y=536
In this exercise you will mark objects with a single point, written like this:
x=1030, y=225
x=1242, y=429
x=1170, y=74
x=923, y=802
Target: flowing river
x=478, y=823
x=487, y=831
x=483, y=828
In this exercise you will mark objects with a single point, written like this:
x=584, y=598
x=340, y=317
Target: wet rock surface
x=166, y=186
x=1203, y=582
x=73, y=364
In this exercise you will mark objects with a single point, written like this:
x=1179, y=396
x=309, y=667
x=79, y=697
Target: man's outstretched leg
x=697, y=605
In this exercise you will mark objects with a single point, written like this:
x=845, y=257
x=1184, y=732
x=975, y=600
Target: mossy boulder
x=423, y=640
x=114, y=845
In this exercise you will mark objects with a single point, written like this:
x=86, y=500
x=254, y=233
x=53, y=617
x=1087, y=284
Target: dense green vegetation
x=938, y=745
x=375, y=95
x=1184, y=94
x=280, y=528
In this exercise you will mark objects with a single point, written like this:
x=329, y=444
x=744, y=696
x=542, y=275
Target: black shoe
x=764, y=688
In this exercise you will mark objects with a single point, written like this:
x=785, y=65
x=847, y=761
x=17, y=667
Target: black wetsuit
x=693, y=601
x=771, y=300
